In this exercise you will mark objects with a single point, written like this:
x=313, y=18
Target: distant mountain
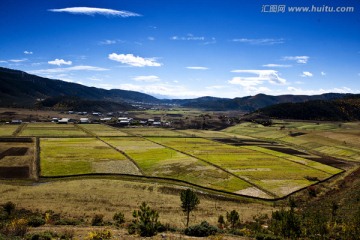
x=250, y=103
x=345, y=109
x=20, y=89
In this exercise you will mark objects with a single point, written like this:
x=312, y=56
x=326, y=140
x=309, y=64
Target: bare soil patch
x=14, y=151
x=15, y=172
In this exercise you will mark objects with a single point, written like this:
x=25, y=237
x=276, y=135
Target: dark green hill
x=19, y=89
x=345, y=109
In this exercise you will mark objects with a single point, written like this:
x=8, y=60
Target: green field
x=68, y=156
x=156, y=160
x=267, y=169
x=153, y=131
x=102, y=130
x=7, y=129
x=331, y=139
x=51, y=130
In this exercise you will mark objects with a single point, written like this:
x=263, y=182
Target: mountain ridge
x=20, y=89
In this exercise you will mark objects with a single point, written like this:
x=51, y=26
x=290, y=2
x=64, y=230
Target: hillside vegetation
x=345, y=109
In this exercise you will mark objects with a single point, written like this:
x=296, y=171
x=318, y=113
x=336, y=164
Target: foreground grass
x=82, y=199
x=67, y=156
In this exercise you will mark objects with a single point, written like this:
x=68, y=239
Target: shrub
x=233, y=218
x=97, y=220
x=99, y=235
x=16, y=227
x=146, y=221
x=36, y=221
x=9, y=207
x=202, y=230
x=41, y=236
x=119, y=218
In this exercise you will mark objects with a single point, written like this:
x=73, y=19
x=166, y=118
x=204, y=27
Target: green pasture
x=102, y=130
x=67, y=156
x=152, y=131
x=159, y=161
x=341, y=142
x=211, y=134
x=258, y=165
x=7, y=129
x=52, y=130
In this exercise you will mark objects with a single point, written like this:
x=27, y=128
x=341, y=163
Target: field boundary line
x=19, y=129
x=171, y=181
x=35, y=166
x=218, y=167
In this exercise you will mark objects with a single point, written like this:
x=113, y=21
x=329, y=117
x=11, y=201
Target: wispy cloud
x=14, y=60
x=306, y=74
x=197, y=68
x=149, y=78
x=59, y=62
x=323, y=73
x=272, y=65
x=298, y=91
x=263, y=76
x=108, y=42
x=189, y=37
x=68, y=69
x=96, y=11
x=28, y=52
x=151, y=38
x=260, y=41
x=298, y=59
x=134, y=61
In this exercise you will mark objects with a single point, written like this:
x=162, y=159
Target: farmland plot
x=153, y=131
x=159, y=161
x=69, y=156
x=16, y=158
x=51, y=129
x=7, y=130
x=279, y=173
x=102, y=130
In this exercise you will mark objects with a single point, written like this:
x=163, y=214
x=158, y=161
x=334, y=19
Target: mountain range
x=20, y=89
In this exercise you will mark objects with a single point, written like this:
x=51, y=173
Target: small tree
x=233, y=218
x=189, y=201
x=146, y=221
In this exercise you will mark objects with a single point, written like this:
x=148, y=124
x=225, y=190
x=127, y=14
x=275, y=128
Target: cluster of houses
x=123, y=121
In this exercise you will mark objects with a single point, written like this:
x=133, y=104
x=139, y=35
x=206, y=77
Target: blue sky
x=186, y=48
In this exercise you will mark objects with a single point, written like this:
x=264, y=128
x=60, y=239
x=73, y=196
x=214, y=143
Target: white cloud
x=323, y=73
x=298, y=59
x=198, y=68
x=150, y=78
x=306, y=74
x=108, y=42
x=59, y=62
x=189, y=37
x=151, y=38
x=270, y=76
x=28, y=52
x=211, y=41
x=93, y=11
x=272, y=65
x=260, y=41
x=134, y=61
x=68, y=69
x=17, y=60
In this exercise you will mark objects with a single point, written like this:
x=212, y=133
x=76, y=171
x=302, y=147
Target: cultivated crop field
x=331, y=139
x=102, y=130
x=236, y=160
x=152, y=131
x=51, y=129
x=159, y=161
x=7, y=129
x=16, y=158
x=71, y=156
x=278, y=173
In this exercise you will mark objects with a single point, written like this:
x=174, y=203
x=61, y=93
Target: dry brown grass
x=86, y=197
